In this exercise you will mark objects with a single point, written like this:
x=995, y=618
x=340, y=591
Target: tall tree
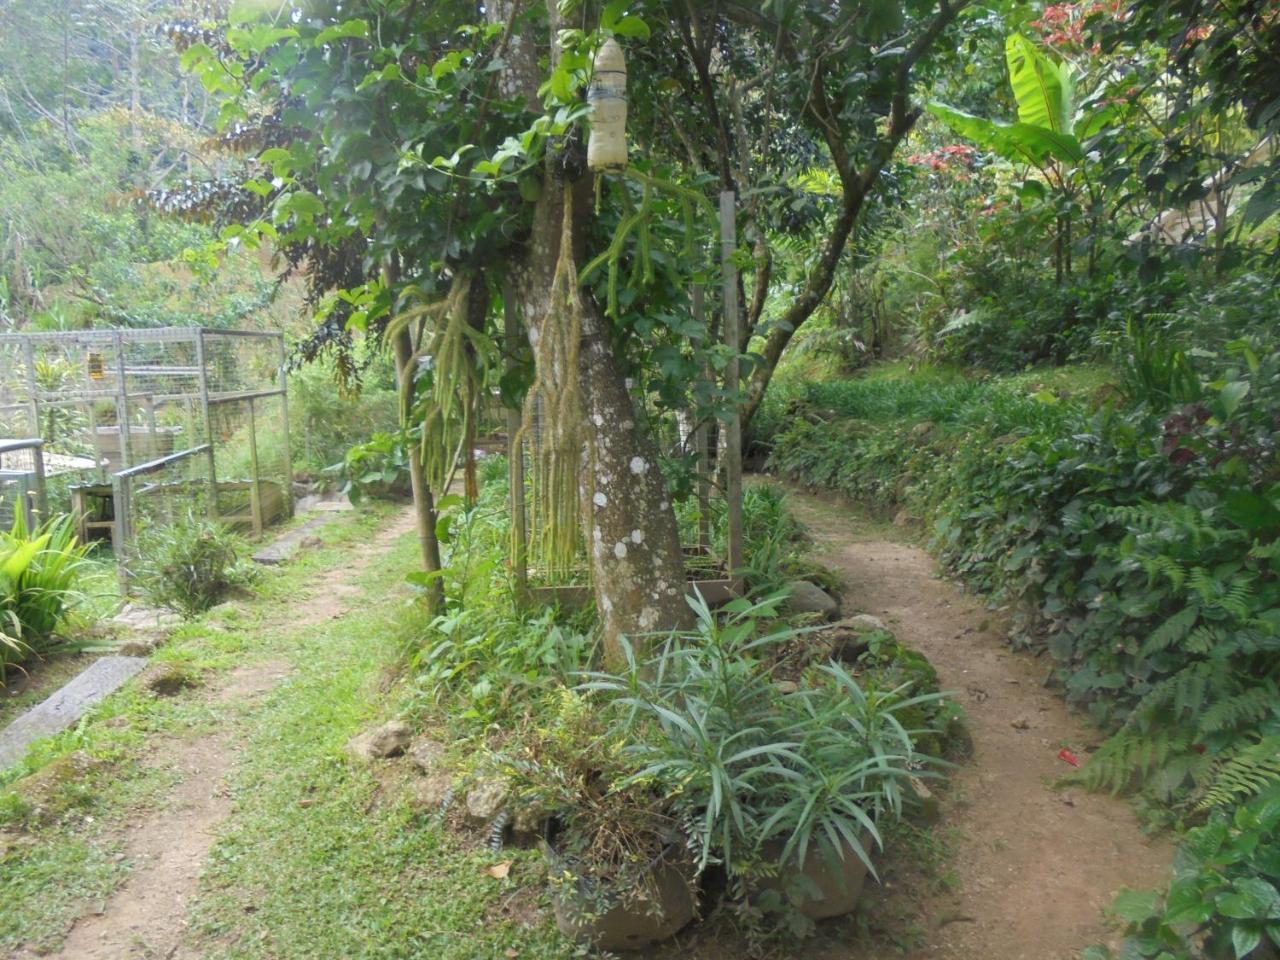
x=387, y=130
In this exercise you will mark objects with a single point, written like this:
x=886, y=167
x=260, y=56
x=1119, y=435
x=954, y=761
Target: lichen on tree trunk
x=633, y=545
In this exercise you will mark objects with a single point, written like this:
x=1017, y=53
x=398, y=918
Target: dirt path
x=1035, y=865
x=147, y=917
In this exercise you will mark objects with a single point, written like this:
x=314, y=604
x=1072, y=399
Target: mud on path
x=1035, y=865
x=146, y=919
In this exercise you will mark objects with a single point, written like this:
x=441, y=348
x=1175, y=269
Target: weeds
x=189, y=565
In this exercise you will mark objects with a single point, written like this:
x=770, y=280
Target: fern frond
x=1246, y=774
x=1235, y=712
x=1128, y=758
x=1171, y=632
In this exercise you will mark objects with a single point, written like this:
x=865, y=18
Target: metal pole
x=33, y=394
x=42, y=495
x=515, y=451
x=732, y=338
x=122, y=403
x=202, y=365
x=287, y=493
x=255, y=488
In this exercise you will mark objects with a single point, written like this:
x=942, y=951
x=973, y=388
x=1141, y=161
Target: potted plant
x=785, y=786
x=621, y=876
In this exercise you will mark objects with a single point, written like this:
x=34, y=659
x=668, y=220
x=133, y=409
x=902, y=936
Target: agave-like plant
x=38, y=572
x=749, y=766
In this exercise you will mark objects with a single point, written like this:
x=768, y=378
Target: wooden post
x=121, y=533
x=201, y=364
x=100, y=470
x=255, y=489
x=287, y=493
x=701, y=437
x=515, y=451
x=732, y=338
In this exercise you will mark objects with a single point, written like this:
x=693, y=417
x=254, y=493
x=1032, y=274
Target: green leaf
x=1250, y=898
x=1244, y=939
x=1016, y=142
x=349, y=30
x=1135, y=905
x=1232, y=394
x=1186, y=904
x=631, y=27
x=1042, y=86
x=612, y=13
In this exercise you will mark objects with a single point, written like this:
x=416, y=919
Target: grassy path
x=226, y=821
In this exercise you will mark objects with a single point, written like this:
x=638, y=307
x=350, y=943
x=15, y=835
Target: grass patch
x=315, y=861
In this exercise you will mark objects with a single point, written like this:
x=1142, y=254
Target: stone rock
x=429, y=794
x=486, y=798
x=168, y=679
x=101, y=678
x=849, y=636
x=810, y=598
x=135, y=617
x=427, y=755
x=860, y=623
x=926, y=808
x=529, y=822
x=388, y=740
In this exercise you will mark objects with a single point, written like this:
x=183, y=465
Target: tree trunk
x=423, y=503
x=637, y=568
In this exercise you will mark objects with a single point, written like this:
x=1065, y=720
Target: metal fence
x=22, y=482
x=110, y=402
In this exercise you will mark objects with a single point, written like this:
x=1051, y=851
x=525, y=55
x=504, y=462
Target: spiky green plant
x=38, y=572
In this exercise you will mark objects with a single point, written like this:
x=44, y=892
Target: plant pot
x=588, y=913
x=828, y=885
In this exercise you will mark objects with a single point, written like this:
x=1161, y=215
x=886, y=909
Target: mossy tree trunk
x=633, y=545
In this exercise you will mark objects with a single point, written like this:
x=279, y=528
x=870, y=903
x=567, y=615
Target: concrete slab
x=100, y=678
x=322, y=504
x=136, y=617
x=283, y=548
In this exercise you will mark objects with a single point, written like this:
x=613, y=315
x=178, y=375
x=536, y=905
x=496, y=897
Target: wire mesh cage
x=22, y=482
x=205, y=411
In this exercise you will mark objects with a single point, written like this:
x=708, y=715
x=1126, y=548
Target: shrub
x=190, y=565
x=377, y=468
x=38, y=572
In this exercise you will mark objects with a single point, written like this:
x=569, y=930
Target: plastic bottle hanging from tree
x=607, y=147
